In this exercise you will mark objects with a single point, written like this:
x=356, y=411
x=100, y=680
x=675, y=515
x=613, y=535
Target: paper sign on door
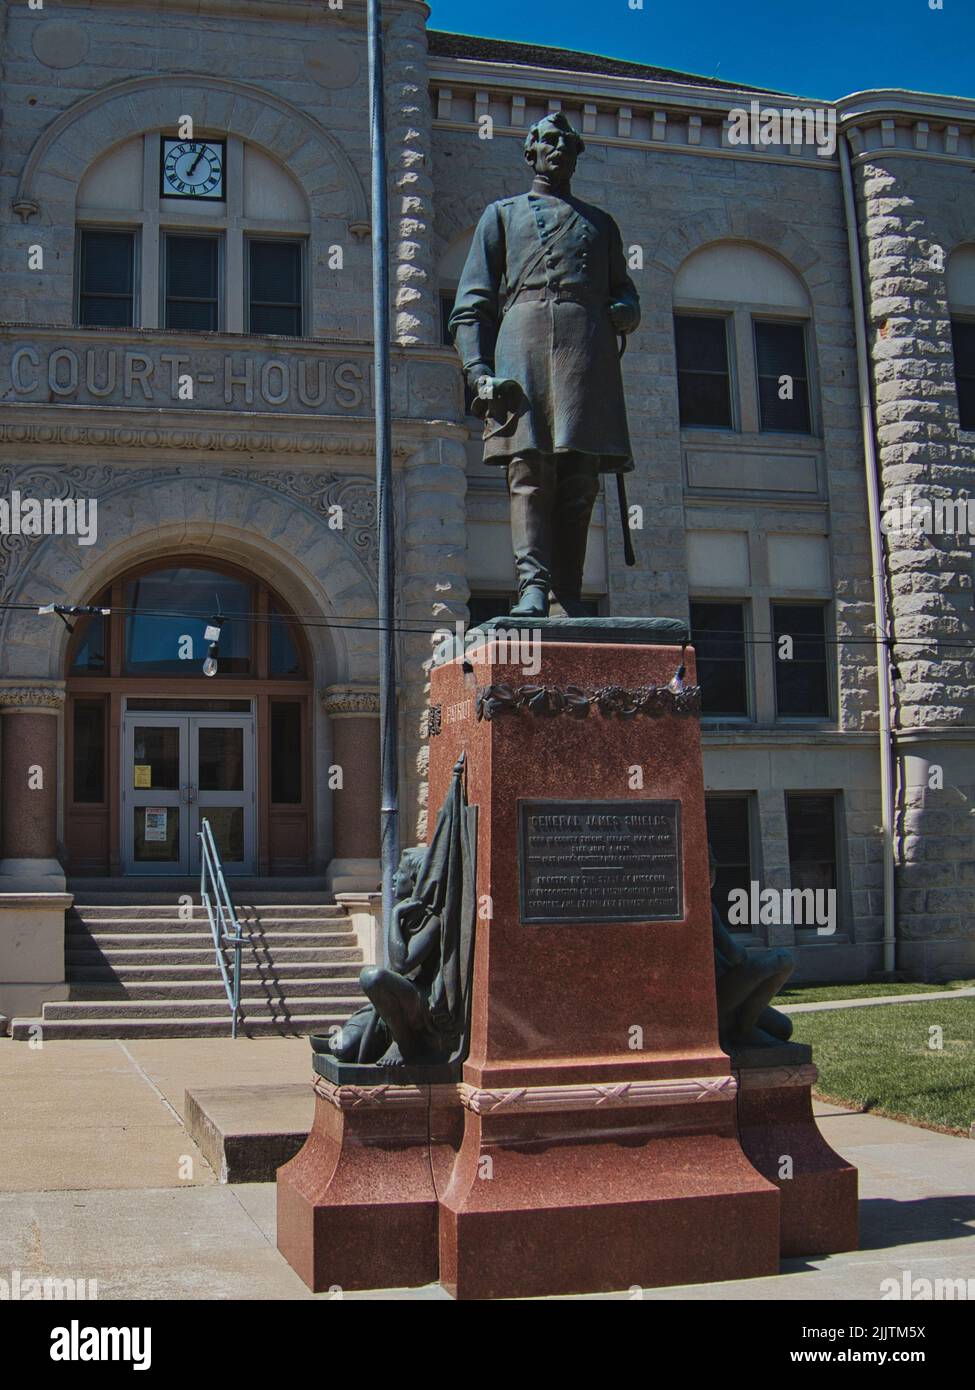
x=156, y=822
x=143, y=775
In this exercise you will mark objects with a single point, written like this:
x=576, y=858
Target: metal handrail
x=223, y=919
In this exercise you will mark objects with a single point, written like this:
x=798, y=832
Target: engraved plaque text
x=600, y=861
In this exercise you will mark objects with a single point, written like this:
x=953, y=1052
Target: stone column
x=354, y=714
x=433, y=592
x=32, y=897
x=29, y=772
x=409, y=125
x=907, y=227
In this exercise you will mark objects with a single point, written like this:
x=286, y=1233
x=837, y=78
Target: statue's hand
x=624, y=316
x=497, y=388
x=497, y=397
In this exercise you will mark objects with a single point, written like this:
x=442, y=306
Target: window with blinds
x=192, y=279
x=783, y=377
x=811, y=822
x=274, y=287
x=703, y=376
x=729, y=822
x=801, y=667
x=963, y=341
x=106, y=278
x=718, y=634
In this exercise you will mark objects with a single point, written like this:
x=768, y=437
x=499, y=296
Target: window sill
x=709, y=434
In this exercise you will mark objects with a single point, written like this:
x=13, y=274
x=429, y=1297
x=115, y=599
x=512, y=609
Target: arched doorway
x=154, y=743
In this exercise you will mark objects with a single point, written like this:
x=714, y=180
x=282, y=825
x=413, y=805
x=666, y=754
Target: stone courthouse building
x=186, y=382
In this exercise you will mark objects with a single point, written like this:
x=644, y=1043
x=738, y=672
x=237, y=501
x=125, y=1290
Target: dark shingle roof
x=444, y=45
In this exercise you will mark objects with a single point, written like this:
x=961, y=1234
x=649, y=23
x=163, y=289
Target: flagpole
x=389, y=812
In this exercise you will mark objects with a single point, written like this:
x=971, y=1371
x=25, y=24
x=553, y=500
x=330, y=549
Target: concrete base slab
x=246, y=1133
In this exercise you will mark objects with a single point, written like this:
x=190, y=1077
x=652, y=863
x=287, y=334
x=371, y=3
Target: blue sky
x=827, y=48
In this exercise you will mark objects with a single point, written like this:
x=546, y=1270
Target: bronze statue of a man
x=543, y=295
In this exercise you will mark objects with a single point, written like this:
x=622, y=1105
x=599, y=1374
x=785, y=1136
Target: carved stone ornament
x=765, y=1078
x=385, y=1097
x=595, y=1096
x=31, y=697
x=322, y=492
x=209, y=440
x=609, y=700
x=340, y=700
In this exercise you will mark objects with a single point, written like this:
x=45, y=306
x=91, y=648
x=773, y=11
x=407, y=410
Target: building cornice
x=352, y=12
x=871, y=106
x=616, y=111
x=580, y=86
x=56, y=427
x=772, y=155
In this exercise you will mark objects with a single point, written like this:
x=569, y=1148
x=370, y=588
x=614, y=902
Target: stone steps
x=54, y=1031
x=272, y=986
x=177, y=937
x=168, y=914
x=136, y=967
x=159, y=1010
x=185, y=974
x=120, y=957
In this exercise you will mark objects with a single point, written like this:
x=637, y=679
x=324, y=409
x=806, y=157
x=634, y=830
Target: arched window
x=208, y=234
x=961, y=306
x=159, y=617
x=742, y=327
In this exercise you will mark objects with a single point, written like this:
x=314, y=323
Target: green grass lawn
x=880, y=1060
x=816, y=994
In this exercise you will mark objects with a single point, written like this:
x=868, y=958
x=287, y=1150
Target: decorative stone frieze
x=348, y=701
x=40, y=696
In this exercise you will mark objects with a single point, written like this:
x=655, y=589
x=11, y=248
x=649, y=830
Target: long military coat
x=533, y=305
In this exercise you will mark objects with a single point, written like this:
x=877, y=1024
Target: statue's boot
x=576, y=490
x=533, y=603
x=531, y=490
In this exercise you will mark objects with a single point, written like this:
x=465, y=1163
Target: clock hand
x=192, y=169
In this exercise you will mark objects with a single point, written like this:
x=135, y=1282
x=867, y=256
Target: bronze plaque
x=600, y=861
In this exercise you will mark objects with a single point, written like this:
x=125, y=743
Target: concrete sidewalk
x=931, y=997
x=100, y=1113
x=93, y=1156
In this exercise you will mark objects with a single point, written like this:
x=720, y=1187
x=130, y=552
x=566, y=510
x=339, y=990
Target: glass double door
x=178, y=770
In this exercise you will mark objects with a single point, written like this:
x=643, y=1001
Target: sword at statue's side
x=628, y=553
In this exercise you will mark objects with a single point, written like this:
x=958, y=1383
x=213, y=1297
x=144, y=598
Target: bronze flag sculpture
x=542, y=297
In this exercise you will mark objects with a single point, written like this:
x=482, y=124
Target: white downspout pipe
x=877, y=555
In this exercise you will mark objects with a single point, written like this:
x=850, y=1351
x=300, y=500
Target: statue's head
x=410, y=862
x=553, y=146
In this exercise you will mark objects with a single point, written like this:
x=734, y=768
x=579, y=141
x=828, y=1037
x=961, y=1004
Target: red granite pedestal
x=357, y=1206
x=597, y=1139
x=779, y=1134
x=600, y=1148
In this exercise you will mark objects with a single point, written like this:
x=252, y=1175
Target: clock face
x=193, y=169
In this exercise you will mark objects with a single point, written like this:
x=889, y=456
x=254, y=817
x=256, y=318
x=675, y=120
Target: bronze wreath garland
x=610, y=700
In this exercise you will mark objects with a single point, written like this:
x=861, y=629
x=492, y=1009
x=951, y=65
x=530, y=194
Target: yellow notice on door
x=143, y=775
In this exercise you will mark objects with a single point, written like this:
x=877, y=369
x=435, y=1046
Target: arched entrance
x=154, y=743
